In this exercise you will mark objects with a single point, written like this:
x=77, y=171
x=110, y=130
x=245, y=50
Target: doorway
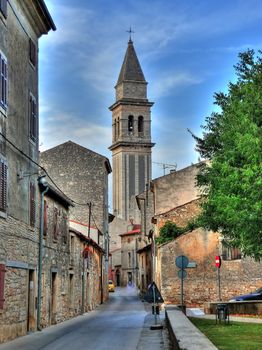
x=53, y=297
x=31, y=301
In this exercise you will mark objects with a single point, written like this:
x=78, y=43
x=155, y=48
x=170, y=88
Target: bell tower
x=131, y=137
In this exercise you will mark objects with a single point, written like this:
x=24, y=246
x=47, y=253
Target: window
x=129, y=259
x=32, y=118
x=230, y=253
x=45, y=218
x=55, y=223
x=3, y=7
x=2, y=285
x=140, y=124
x=3, y=185
x=32, y=209
x=130, y=123
x=3, y=81
x=64, y=227
x=32, y=52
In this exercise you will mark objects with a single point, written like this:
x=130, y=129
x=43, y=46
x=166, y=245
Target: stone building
x=131, y=137
x=22, y=23
x=131, y=157
x=176, y=199
x=83, y=176
x=52, y=294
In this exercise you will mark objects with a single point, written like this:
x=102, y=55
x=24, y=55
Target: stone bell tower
x=131, y=137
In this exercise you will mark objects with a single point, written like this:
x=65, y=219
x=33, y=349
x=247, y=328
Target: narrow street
x=117, y=324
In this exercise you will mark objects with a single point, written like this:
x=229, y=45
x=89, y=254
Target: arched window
x=118, y=128
x=140, y=124
x=130, y=123
x=115, y=130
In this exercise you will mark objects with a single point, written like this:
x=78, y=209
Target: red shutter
x=2, y=285
x=3, y=7
x=3, y=186
x=32, y=118
x=32, y=204
x=45, y=218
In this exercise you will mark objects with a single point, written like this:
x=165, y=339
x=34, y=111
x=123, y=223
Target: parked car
x=111, y=286
x=256, y=295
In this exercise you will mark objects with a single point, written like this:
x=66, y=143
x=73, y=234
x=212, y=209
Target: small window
x=3, y=7
x=64, y=228
x=32, y=209
x=32, y=52
x=32, y=118
x=140, y=124
x=3, y=185
x=3, y=81
x=130, y=123
x=230, y=253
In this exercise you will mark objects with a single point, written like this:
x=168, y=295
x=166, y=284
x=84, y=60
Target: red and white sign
x=218, y=261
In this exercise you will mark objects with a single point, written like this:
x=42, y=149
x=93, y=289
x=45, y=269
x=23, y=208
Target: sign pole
x=219, y=287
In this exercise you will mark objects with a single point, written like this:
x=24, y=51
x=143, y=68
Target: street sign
x=182, y=261
x=153, y=295
x=218, y=261
x=182, y=274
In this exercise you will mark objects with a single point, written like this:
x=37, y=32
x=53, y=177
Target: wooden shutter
x=55, y=223
x=32, y=52
x=65, y=227
x=45, y=218
x=32, y=117
x=3, y=7
x=3, y=81
x=2, y=285
x=32, y=204
x=3, y=186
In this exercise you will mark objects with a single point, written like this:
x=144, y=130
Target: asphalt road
x=116, y=324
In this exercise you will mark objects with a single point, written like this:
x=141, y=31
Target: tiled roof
x=131, y=69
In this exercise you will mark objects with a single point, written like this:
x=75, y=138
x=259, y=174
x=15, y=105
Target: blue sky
x=186, y=48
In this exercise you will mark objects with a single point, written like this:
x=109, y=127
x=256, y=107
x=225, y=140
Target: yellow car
x=111, y=286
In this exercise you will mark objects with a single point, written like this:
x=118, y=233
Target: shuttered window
x=2, y=285
x=45, y=218
x=32, y=52
x=32, y=204
x=3, y=81
x=64, y=224
x=55, y=223
x=32, y=118
x=3, y=185
x=3, y=7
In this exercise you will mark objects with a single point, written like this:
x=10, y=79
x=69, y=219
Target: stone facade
x=21, y=25
x=176, y=199
x=82, y=175
x=131, y=137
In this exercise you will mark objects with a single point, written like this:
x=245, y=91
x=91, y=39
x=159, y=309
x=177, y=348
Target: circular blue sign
x=182, y=274
x=182, y=261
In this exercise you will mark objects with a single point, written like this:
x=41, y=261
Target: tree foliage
x=169, y=231
x=232, y=181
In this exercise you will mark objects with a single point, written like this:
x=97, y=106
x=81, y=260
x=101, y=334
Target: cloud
x=165, y=85
x=61, y=126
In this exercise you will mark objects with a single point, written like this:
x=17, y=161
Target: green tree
x=168, y=232
x=232, y=140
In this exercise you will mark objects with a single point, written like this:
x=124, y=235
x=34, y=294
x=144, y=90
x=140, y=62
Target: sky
x=186, y=49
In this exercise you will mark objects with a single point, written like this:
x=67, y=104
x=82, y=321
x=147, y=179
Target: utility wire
x=42, y=168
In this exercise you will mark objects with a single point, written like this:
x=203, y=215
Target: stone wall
x=201, y=284
x=83, y=176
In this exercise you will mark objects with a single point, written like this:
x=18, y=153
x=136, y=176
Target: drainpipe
x=41, y=181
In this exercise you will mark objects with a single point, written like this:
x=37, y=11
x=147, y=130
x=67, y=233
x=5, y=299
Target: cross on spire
x=130, y=31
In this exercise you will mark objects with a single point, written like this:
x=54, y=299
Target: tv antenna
x=166, y=166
